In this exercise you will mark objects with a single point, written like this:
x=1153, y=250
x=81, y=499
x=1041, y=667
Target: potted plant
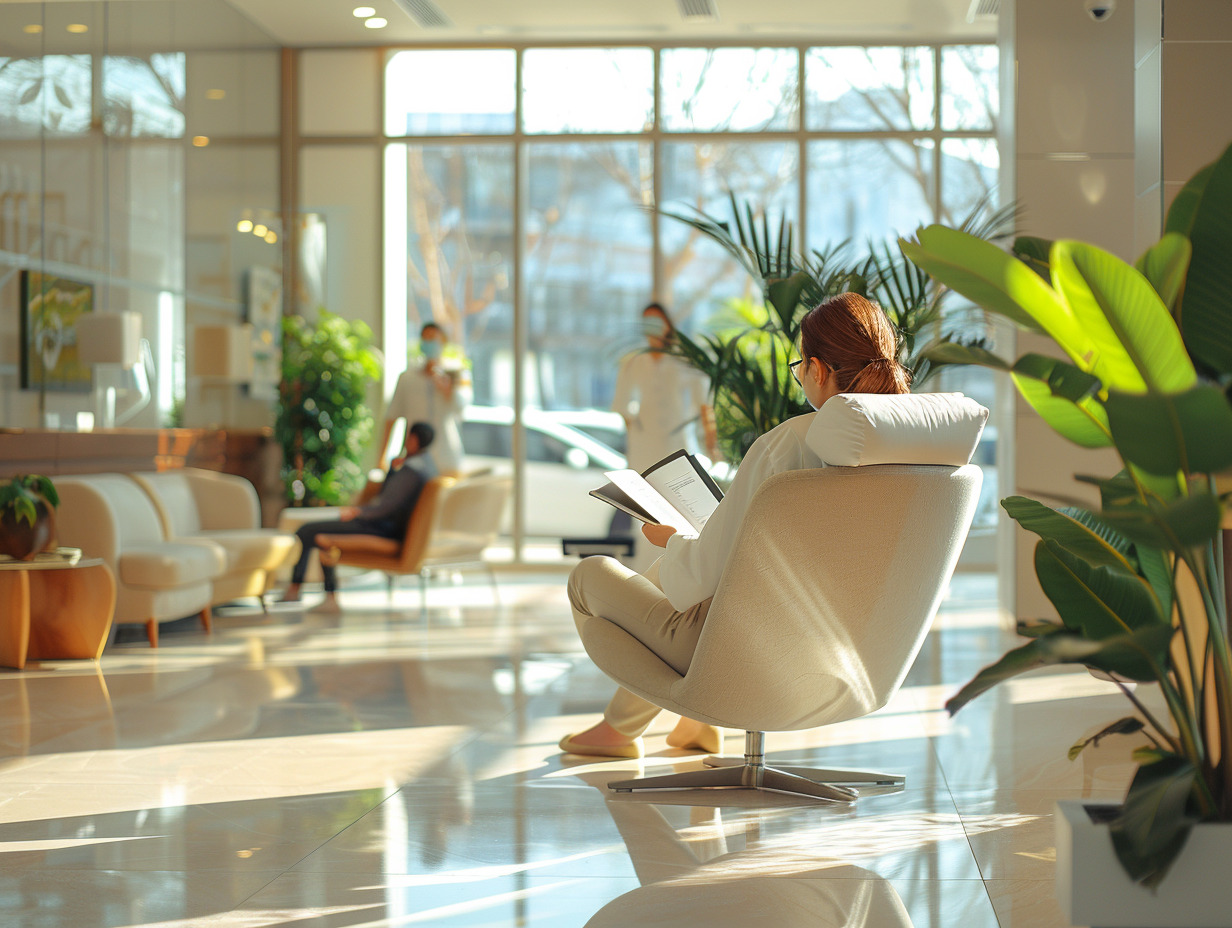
x=323, y=421
x=1138, y=584
x=746, y=355
x=27, y=516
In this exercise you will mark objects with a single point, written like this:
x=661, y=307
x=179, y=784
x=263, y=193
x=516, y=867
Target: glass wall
x=132, y=139
x=520, y=195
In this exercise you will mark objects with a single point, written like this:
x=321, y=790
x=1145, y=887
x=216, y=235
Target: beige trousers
x=604, y=588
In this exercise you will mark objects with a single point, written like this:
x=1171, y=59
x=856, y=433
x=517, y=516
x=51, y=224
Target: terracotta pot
x=20, y=539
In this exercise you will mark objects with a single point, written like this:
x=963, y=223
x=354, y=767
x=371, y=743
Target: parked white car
x=562, y=466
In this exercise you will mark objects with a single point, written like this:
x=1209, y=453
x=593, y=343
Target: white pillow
x=852, y=429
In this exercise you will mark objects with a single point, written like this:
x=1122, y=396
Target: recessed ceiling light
x=32, y=29
x=376, y=22
x=271, y=236
x=244, y=225
x=363, y=12
x=200, y=141
x=215, y=93
x=260, y=230
x=77, y=28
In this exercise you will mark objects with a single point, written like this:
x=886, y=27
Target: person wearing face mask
x=436, y=391
x=660, y=397
x=846, y=346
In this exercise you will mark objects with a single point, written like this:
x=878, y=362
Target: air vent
x=426, y=13
x=698, y=11
x=983, y=10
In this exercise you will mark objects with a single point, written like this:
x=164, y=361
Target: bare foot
x=602, y=735
x=691, y=734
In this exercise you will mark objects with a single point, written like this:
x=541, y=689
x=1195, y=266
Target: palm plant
x=747, y=364
x=1138, y=584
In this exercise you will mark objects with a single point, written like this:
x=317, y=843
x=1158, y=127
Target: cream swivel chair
x=825, y=602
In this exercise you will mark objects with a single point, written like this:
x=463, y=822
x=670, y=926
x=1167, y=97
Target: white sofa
x=199, y=504
x=111, y=517
x=178, y=542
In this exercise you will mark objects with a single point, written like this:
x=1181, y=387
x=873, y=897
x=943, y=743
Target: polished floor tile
x=397, y=765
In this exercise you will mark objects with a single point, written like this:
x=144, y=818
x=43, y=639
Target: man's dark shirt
x=392, y=507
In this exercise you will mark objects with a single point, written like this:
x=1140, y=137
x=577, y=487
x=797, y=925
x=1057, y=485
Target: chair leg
x=389, y=587
x=264, y=604
x=492, y=582
x=423, y=593
x=151, y=632
x=207, y=620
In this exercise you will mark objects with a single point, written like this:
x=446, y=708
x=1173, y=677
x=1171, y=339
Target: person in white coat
x=660, y=397
x=846, y=346
x=433, y=391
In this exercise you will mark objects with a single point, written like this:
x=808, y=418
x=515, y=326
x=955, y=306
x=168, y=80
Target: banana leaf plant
x=751, y=386
x=1138, y=584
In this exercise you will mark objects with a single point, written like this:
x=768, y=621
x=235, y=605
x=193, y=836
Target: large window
x=522, y=183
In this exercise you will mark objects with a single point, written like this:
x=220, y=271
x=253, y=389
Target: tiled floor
x=384, y=768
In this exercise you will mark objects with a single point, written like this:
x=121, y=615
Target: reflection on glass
x=867, y=189
x=588, y=272
x=697, y=273
x=970, y=93
x=728, y=89
x=869, y=88
x=450, y=92
x=144, y=96
x=51, y=93
x=587, y=89
x=969, y=172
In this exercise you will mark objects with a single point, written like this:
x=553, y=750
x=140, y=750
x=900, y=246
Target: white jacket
x=690, y=569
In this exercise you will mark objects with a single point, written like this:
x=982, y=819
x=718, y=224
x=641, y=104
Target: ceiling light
x=244, y=225
x=32, y=29
x=200, y=141
x=363, y=12
x=376, y=22
x=260, y=230
x=215, y=94
x=77, y=28
x=271, y=236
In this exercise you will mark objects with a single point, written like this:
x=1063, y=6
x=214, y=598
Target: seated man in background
x=386, y=515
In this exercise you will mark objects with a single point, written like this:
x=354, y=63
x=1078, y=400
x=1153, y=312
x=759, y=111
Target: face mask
x=431, y=350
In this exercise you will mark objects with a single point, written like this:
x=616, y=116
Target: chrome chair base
x=751, y=772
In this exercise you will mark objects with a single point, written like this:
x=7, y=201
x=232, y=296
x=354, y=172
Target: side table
x=52, y=610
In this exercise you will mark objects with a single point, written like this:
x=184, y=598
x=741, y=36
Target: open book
x=676, y=491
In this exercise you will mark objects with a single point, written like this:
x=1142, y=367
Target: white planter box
x=1093, y=889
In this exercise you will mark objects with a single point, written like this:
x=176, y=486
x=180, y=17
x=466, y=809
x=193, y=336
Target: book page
x=680, y=481
x=649, y=499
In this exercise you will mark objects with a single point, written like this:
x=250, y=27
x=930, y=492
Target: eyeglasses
x=794, y=367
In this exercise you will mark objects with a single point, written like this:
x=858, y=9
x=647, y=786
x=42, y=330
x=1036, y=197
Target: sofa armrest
x=224, y=501
x=86, y=519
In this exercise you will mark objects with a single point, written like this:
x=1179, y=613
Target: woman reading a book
x=846, y=346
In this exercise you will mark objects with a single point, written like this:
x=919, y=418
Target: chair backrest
x=105, y=513
x=173, y=497
x=469, y=515
x=420, y=525
x=828, y=594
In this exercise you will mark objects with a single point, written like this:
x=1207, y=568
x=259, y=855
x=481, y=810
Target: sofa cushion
x=853, y=429
x=171, y=564
x=173, y=495
x=253, y=549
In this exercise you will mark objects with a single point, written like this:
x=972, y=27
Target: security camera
x=1100, y=10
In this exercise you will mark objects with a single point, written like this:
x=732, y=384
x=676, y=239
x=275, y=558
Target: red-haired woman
x=846, y=346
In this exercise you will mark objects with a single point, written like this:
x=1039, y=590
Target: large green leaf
x=1098, y=602
x=1164, y=264
x=951, y=352
x=1155, y=566
x=1186, y=522
x=1156, y=819
x=990, y=278
x=1137, y=346
x=1185, y=206
x=1034, y=251
x=1076, y=538
x=1135, y=656
x=1206, y=307
x=1064, y=397
x=1126, y=726
x=1163, y=434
